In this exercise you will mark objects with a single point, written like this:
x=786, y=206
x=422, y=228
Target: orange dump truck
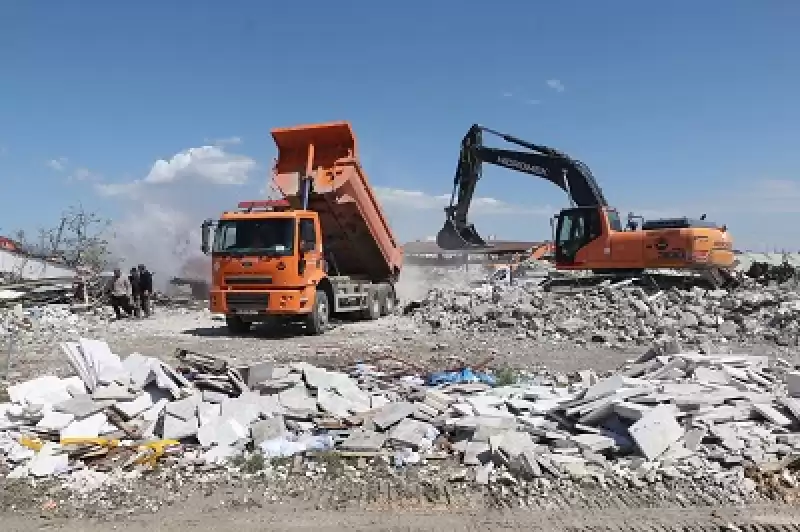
x=325, y=248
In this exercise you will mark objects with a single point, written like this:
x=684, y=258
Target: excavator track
x=711, y=279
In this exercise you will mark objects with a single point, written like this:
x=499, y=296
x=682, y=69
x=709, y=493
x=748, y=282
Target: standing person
x=121, y=294
x=136, y=291
x=146, y=286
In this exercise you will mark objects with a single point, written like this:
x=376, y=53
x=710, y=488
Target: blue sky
x=678, y=107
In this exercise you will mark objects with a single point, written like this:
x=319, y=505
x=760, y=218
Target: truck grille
x=247, y=279
x=250, y=301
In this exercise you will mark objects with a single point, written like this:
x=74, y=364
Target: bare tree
x=80, y=240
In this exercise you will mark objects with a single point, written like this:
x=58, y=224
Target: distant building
x=8, y=244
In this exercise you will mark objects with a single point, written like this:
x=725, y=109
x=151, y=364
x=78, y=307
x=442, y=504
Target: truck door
x=311, y=249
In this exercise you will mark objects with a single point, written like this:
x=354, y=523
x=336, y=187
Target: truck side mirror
x=205, y=230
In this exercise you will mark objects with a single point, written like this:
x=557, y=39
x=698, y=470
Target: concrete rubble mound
x=619, y=314
x=670, y=414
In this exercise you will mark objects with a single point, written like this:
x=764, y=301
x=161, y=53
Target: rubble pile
x=668, y=416
x=620, y=314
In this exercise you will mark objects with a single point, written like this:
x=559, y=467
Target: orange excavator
x=588, y=235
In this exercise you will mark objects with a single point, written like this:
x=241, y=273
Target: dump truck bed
x=356, y=235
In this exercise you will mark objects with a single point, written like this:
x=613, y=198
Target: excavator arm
x=570, y=175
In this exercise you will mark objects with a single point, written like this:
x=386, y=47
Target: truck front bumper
x=254, y=303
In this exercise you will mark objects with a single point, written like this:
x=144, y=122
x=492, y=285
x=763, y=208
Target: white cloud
x=59, y=164
x=508, y=94
x=533, y=102
x=206, y=164
x=555, y=84
x=210, y=164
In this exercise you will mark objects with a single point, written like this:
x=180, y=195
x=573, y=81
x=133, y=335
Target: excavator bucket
x=305, y=148
x=452, y=238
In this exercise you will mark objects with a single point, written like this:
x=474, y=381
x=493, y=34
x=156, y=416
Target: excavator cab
x=575, y=228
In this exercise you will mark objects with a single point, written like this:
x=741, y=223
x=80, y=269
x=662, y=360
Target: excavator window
x=576, y=228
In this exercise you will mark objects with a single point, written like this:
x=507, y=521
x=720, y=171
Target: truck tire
x=236, y=325
x=317, y=321
x=374, y=305
x=389, y=301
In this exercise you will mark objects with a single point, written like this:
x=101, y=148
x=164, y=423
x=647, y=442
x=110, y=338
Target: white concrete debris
x=620, y=314
x=670, y=412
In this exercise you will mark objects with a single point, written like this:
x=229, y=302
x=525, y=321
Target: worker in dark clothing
x=146, y=289
x=136, y=291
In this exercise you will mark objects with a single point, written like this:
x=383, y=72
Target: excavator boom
x=569, y=174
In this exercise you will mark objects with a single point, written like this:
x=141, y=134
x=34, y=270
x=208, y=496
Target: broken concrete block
x=793, y=384
x=477, y=453
x=221, y=432
x=594, y=442
x=88, y=427
x=245, y=409
x=297, y=399
x=365, y=441
x=526, y=466
x=81, y=406
x=131, y=409
x=207, y=412
x=176, y=428
x=268, y=429
x=772, y=415
x=413, y=433
x=333, y=403
x=256, y=373
x=210, y=396
x=392, y=414
x=54, y=421
x=113, y=392
x=184, y=409
x=656, y=431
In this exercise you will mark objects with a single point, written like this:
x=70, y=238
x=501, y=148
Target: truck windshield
x=274, y=236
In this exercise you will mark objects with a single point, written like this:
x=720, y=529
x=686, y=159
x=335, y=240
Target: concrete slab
x=184, y=409
x=365, y=441
x=113, y=392
x=54, y=421
x=81, y=406
x=88, y=427
x=210, y=396
x=176, y=428
x=793, y=384
x=656, y=431
x=208, y=412
x=268, y=429
x=768, y=412
x=221, y=432
x=413, y=433
x=477, y=453
x=131, y=409
x=333, y=403
x=393, y=413
x=244, y=409
x=594, y=442
x=297, y=399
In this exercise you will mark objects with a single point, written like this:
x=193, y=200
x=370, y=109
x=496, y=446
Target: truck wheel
x=236, y=325
x=317, y=321
x=388, y=302
x=374, y=305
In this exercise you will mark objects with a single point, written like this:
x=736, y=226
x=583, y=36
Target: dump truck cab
x=324, y=248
